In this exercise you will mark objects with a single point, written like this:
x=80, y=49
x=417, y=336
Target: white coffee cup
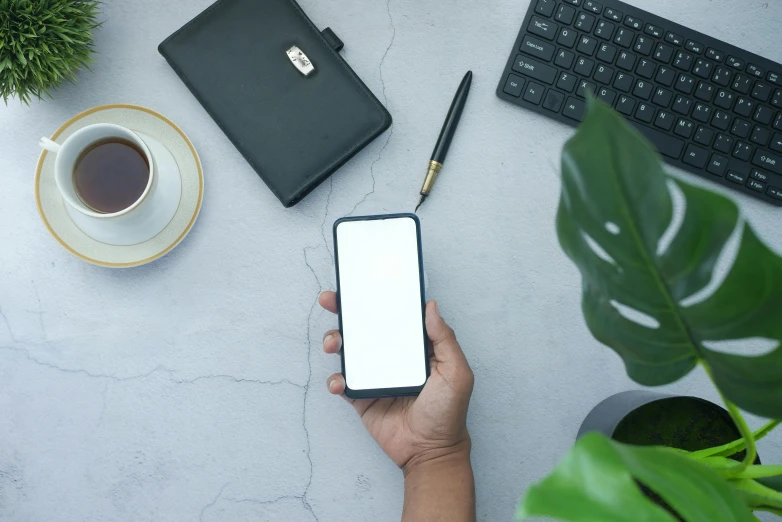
x=71, y=150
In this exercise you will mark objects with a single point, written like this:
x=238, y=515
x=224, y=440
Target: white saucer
x=112, y=244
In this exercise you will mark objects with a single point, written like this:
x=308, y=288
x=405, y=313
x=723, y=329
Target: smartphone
x=380, y=298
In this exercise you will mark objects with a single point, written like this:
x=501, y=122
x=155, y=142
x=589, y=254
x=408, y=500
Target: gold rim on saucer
x=164, y=249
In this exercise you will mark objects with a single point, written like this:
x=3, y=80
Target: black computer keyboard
x=709, y=107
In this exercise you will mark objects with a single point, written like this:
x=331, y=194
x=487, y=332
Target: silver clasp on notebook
x=300, y=60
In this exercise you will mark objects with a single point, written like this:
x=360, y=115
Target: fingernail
x=327, y=338
x=331, y=384
x=436, y=310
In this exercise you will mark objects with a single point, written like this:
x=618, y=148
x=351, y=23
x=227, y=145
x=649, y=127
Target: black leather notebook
x=241, y=59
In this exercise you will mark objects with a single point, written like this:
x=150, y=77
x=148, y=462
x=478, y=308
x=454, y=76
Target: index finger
x=328, y=300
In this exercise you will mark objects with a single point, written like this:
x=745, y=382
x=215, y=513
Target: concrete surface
x=194, y=387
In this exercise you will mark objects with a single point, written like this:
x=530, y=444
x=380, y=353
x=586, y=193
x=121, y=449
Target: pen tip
x=420, y=202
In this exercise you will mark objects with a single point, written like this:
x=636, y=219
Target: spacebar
x=667, y=145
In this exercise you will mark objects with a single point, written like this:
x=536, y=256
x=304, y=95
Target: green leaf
x=758, y=496
x=639, y=279
x=731, y=448
x=594, y=482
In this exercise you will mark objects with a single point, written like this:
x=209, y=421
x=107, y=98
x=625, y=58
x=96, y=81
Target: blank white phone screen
x=380, y=303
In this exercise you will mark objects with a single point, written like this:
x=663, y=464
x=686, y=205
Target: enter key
x=768, y=161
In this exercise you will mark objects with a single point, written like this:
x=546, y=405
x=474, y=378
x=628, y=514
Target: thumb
x=444, y=343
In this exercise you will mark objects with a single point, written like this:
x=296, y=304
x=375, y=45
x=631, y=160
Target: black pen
x=446, y=135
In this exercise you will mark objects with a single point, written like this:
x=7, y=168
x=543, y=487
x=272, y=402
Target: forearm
x=440, y=488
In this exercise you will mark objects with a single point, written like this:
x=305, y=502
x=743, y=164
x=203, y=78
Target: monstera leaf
x=647, y=246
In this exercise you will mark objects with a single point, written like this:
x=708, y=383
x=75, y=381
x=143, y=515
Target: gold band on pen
x=431, y=175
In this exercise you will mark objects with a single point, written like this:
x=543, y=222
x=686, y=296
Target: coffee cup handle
x=49, y=145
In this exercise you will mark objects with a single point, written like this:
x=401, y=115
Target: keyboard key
x=704, y=136
x=626, y=61
x=643, y=45
x=567, y=81
x=757, y=72
x=625, y=105
x=533, y=93
x=624, y=37
x=721, y=120
x=665, y=76
x=685, y=84
x=542, y=28
x=695, y=156
x=645, y=68
x=623, y=82
x=643, y=89
x=759, y=175
x=717, y=165
x=722, y=76
x=605, y=30
x=724, y=99
x=774, y=192
x=736, y=63
x=564, y=59
x=587, y=45
x=574, y=109
x=683, y=61
x=742, y=83
x=744, y=107
x=567, y=37
x=654, y=30
x=682, y=105
x=673, y=38
x=537, y=48
x=573, y=2
x=604, y=74
x=702, y=68
x=684, y=128
x=774, y=78
x=584, y=66
x=606, y=96
x=565, y=14
x=724, y=143
x=736, y=177
x=756, y=185
x=584, y=86
x=776, y=101
x=704, y=91
x=776, y=142
x=760, y=136
x=664, y=120
x=545, y=7
x=662, y=97
x=613, y=14
x=695, y=47
x=715, y=55
x=663, y=53
x=645, y=112
x=768, y=161
x=702, y=112
x=513, y=85
x=664, y=142
x=742, y=151
x=607, y=53
x=778, y=122
x=635, y=23
x=534, y=69
x=553, y=100
x=763, y=115
x=584, y=22
x=593, y=6
x=761, y=91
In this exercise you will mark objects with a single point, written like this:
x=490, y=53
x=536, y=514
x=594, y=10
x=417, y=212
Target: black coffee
x=110, y=175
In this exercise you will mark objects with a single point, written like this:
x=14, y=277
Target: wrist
x=456, y=455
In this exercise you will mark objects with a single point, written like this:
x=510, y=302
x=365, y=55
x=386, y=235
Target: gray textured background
x=194, y=387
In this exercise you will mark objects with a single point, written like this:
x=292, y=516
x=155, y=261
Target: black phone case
x=294, y=130
x=376, y=393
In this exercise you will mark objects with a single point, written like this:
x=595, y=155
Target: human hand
x=414, y=430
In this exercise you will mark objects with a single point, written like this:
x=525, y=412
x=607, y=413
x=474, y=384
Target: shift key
x=534, y=69
x=768, y=161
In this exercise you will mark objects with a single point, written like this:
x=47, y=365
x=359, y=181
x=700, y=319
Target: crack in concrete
x=385, y=103
x=40, y=313
x=8, y=326
x=325, y=217
x=255, y=501
x=213, y=502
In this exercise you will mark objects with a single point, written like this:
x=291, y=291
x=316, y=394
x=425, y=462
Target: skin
x=426, y=436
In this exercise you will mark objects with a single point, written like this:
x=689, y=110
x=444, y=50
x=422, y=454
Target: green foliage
x=42, y=43
x=644, y=267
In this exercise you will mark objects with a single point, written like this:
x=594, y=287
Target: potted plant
x=647, y=246
x=42, y=43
